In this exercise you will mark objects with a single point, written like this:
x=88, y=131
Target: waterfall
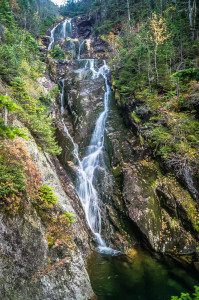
x=52, y=39
x=64, y=31
x=80, y=46
x=87, y=166
x=86, y=173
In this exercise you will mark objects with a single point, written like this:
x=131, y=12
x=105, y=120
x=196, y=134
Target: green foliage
x=135, y=117
x=46, y=194
x=10, y=61
x=6, y=102
x=177, y=142
x=9, y=131
x=187, y=75
x=12, y=179
x=70, y=217
x=47, y=22
x=18, y=46
x=6, y=15
x=72, y=9
x=35, y=16
x=36, y=117
x=187, y=296
x=19, y=56
x=57, y=53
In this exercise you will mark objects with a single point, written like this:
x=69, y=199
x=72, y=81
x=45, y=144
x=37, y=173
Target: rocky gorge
x=145, y=193
x=142, y=204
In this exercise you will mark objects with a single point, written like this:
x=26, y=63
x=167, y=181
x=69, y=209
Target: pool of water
x=137, y=276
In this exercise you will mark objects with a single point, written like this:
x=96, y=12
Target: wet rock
x=82, y=26
x=45, y=40
x=98, y=45
x=142, y=206
x=167, y=200
x=45, y=84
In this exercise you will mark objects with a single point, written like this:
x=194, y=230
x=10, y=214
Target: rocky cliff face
x=30, y=267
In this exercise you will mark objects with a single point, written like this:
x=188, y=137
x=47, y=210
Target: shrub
x=45, y=198
x=19, y=176
x=187, y=296
x=57, y=53
x=36, y=117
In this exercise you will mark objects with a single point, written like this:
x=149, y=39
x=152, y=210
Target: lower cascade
x=87, y=166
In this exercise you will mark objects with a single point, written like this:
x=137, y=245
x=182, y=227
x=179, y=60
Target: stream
x=114, y=275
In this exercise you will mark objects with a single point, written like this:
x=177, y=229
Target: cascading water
x=87, y=166
x=64, y=28
x=52, y=39
x=86, y=173
x=80, y=46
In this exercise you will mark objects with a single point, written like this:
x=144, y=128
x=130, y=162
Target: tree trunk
x=128, y=9
x=191, y=10
x=149, y=67
x=155, y=58
x=6, y=116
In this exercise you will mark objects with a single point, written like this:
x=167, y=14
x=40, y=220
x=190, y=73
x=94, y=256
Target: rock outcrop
x=31, y=268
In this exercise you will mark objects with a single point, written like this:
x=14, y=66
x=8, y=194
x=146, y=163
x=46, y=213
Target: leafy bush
x=46, y=196
x=70, y=217
x=9, y=131
x=57, y=53
x=19, y=177
x=187, y=296
x=13, y=180
x=187, y=75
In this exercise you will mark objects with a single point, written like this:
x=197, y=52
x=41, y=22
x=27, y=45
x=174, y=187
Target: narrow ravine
x=113, y=275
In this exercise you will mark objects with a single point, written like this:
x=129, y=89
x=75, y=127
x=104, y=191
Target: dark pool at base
x=138, y=276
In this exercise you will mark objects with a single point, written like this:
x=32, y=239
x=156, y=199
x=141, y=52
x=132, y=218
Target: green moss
x=117, y=171
x=185, y=199
x=118, y=175
x=135, y=117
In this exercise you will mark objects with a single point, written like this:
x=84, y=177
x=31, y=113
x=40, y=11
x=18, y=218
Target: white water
x=88, y=165
x=65, y=23
x=80, y=46
x=52, y=39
